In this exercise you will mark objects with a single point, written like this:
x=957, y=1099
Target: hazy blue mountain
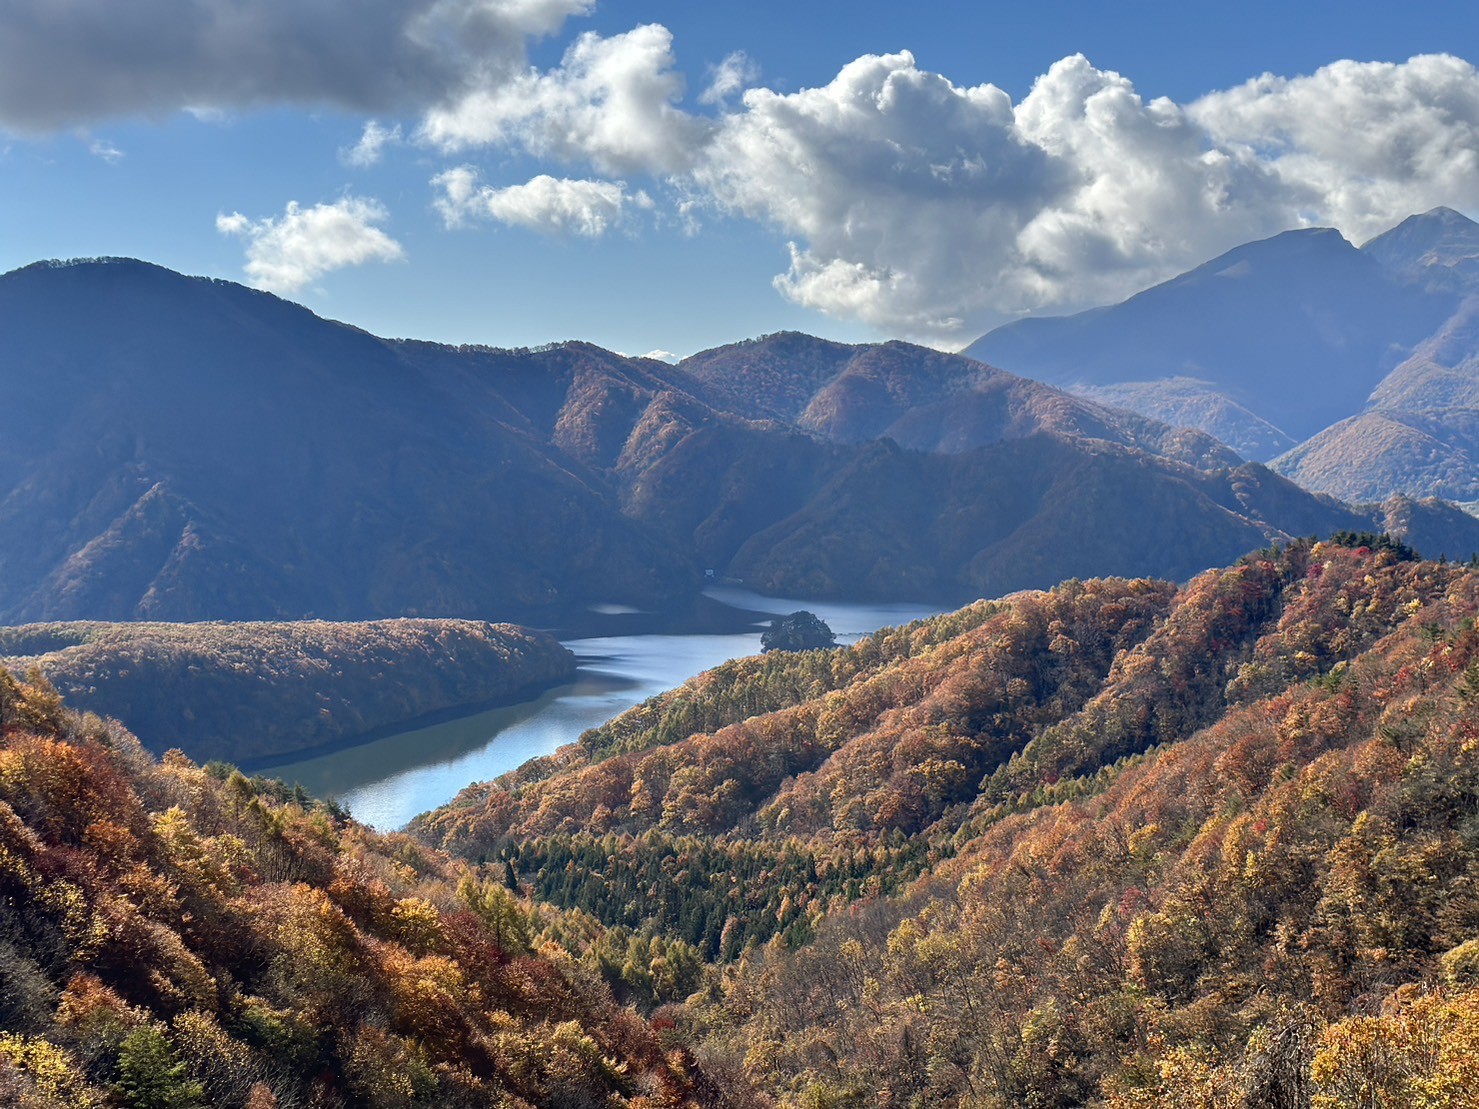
x=1418, y=435
x=1297, y=329
x=1438, y=251
x=178, y=448
x=1195, y=404
x=174, y=448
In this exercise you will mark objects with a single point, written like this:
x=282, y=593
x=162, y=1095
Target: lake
x=386, y=782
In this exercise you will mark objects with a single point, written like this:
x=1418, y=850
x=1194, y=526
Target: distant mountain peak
x=1301, y=241
x=1440, y=221
x=1442, y=214
x=1437, y=250
x=1296, y=329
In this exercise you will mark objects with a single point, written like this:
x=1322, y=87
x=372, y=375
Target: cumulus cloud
x=92, y=59
x=613, y=102
x=930, y=208
x=936, y=210
x=733, y=75
x=923, y=207
x=286, y=253
x=1359, y=143
x=371, y=146
x=551, y=205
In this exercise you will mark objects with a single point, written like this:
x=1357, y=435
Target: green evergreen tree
x=151, y=1076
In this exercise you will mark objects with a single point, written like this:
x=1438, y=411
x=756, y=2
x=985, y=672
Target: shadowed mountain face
x=1419, y=432
x=179, y=448
x=175, y=448
x=267, y=691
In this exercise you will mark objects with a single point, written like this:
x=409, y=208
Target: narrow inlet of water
x=386, y=782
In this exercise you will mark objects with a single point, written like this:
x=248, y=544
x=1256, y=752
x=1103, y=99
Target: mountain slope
x=202, y=451
x=1298, y=329
x=1437, y=251
x=1419, y=434
x=199, y=449
x=921, y=399
x=174, y=938
x=1120, y=842
x=816, y=520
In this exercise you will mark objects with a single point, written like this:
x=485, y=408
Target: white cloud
x=934, y=210
x=371, y=146
x=661, y=355
x=551, y=205
x=303, y=244
x=95, y=59
x=102, y=148
x=733, y=75
x=612, y=103
x=924, y=207
x=913, y=204
x=1362, y=144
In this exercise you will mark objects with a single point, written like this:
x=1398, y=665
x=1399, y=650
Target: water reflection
x=388, y=781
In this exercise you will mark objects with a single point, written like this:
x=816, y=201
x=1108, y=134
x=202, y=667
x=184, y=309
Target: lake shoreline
x=387, y=778
x=699, y=614
x=522, y=696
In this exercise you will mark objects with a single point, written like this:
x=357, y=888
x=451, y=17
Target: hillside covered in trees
x=253, y=692
x=203, y=451
x=172, y=937
x=1119, y=843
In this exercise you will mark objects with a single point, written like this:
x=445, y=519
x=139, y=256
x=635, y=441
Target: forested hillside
x=176, y=938
x=202, y=451
x=259, y=691
x=1119, y=843
x=922, y=399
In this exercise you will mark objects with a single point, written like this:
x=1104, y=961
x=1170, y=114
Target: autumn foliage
x=176, y=938
x=1119, y=843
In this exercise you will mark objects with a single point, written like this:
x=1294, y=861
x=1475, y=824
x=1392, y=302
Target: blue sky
x=556, y=170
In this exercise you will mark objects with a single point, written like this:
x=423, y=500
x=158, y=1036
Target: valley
x=1248, y=799
x=575, y=555
x=1147, y=767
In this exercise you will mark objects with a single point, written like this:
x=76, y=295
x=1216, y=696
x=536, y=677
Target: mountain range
x=176, y=448
x=1350, y=370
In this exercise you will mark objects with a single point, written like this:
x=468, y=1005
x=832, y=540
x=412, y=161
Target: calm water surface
x=388, y=781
